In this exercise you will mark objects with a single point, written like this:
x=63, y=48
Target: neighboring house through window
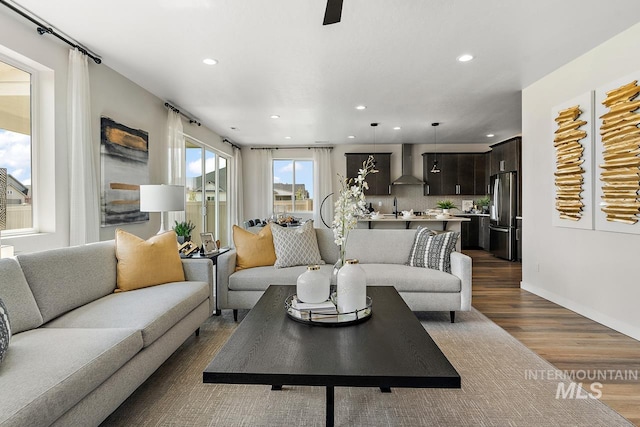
x=293, y=190
x=16, y=144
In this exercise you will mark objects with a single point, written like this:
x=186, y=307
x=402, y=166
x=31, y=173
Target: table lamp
x=161, y=198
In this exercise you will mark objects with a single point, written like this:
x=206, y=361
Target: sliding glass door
x=206, y=192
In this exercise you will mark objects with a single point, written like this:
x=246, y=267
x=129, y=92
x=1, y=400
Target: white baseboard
x=588, y=312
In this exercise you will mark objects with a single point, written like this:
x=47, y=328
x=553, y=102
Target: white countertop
x=416, y=218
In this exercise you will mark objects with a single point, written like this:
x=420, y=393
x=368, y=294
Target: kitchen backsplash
x=411, y=197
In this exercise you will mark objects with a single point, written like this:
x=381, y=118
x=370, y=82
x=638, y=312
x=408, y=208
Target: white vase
x=312, y=286
x=352, y=287
x=445, y=211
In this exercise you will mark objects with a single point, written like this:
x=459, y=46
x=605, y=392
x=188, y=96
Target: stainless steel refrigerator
x=502, y=215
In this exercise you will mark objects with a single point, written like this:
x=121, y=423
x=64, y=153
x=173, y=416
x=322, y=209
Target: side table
x=214, y=258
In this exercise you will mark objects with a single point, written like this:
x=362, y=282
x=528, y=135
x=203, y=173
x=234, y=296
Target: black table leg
x=330, y=399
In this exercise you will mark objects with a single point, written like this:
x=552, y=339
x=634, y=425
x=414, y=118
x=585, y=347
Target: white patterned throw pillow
x=295, y=245
x=5, y=330
x=431, y=250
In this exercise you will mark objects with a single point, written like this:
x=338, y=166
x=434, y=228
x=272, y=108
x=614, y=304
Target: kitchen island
x=452, y=223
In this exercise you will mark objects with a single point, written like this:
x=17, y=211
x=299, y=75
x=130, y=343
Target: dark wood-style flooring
x=564, y=338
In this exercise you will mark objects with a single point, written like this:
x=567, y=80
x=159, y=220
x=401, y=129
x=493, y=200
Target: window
x=16, y=145
x=206, y=192
x=292, y=186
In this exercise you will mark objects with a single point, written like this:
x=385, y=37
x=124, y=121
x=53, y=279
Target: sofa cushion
x=50, y=370
x=430, y=250
x=259, y=278
x=296, y=246
x=411, y=279
x=253, y=250
x=153, y=310
x=380, y=246
x=18, y=297
x=66, y=278
x=5, y=330
x=151, y=262
x=329, y=251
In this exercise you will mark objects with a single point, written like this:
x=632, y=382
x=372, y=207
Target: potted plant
x=445, y=205
x=183, y=230
x=484, y=203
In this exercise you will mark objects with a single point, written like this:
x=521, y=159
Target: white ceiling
x=396, y=57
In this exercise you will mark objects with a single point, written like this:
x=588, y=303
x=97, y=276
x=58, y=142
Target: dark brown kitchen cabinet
x=483, y=235
x=460, y=174
x=470, y=232
x=480, y=174
x=505, y=156
x=379, y=183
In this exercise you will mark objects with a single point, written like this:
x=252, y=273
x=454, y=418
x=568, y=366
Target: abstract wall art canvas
x=124, y=154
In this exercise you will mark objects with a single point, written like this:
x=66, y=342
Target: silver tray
x=322, y=318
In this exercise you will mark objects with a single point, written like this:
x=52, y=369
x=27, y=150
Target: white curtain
x=323, y=186
x=84, y=203
x=264, y=173
x=175, y=159
x=237, y=204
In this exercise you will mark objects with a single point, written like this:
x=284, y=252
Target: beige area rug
x=492, y=364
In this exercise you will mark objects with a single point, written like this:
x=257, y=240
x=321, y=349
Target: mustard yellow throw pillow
x=253, y=250
x=143, y=263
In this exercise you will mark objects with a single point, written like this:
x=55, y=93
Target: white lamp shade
x=161, y=198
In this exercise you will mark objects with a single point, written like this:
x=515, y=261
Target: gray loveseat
x=382, y=254
x=79, y=349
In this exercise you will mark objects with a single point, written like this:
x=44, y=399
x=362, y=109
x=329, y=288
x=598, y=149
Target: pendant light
x=374, y=125
x=435, y=168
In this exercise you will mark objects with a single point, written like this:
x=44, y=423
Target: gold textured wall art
x=620, y=169
x=569, y=175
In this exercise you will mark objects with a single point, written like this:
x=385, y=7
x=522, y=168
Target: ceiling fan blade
x=333, y=13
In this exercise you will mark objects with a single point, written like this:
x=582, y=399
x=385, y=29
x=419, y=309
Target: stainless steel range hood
x=407, y=177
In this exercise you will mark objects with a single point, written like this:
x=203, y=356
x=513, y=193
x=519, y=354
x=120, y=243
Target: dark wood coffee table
x=392, y=349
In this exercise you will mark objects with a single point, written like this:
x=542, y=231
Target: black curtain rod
x=228, y=141
x=177, y=111
x=45, y=29
x=288, y=148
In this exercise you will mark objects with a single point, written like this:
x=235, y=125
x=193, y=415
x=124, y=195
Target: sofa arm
x=461, y=268
x=226, y=266
x=200, y=270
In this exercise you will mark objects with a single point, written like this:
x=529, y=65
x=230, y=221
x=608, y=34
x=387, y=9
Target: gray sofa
x=382, y=255
x=79, y=349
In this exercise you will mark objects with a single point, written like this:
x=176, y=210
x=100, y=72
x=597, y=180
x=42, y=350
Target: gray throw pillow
x=431, y=250
x=295, y=245
x=5, y=330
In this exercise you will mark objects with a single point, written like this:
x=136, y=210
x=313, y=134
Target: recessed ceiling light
x=351, y=137
x=361, y=107
x=465, y=58
x=287, y=137
x=275, y=116
x=210, y=61
x=396, y=128
x=490, y=135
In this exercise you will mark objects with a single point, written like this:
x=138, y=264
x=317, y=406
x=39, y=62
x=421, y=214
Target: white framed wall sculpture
x=617, y=156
